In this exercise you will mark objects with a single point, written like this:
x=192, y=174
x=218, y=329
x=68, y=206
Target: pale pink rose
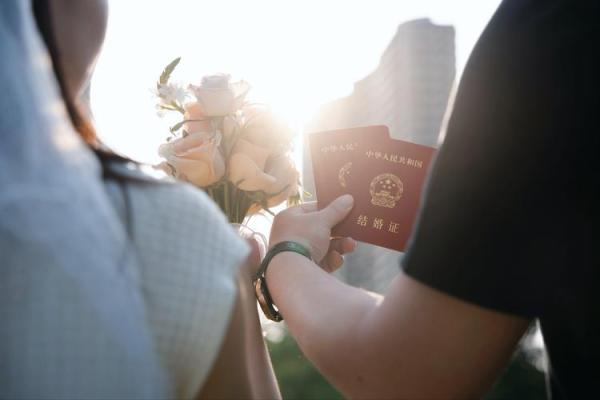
x=246, y=166
x=197, y=121
x=285, y=184
x=287, y=179
x=252, y=168
x=195, y=158
x=218, y=96
x=265, y=129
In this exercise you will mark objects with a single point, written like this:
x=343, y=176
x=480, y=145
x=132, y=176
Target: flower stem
x=227, y=203
x=232, y=201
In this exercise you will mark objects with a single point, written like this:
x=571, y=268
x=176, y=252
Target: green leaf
x=177, y=127
x=166, y=74
x=165, y=107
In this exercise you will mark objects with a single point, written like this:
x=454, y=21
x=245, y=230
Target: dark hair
x=43, y=19
x=81, y=124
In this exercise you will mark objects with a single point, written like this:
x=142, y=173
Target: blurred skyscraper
x=408, y=92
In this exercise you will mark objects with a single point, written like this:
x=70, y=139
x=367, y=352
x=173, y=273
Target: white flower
x=171, y=93
x=160, y=111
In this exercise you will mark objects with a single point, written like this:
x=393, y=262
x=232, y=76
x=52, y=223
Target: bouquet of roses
x=238, y=152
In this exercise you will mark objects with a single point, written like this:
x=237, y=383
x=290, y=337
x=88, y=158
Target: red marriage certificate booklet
x=384, y=175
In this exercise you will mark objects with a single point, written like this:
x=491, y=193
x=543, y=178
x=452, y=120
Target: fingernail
x=346, y=201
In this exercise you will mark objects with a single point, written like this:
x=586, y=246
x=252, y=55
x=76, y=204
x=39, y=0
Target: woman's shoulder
x=157, y=206
x=152, y=187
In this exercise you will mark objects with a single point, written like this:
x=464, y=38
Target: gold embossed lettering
x=378, y=223
x=362, y=220
x=394, y=227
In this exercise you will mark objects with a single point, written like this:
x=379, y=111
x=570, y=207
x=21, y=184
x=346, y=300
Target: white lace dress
x=188, y=256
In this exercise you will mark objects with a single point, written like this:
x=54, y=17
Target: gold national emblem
x=386, y=190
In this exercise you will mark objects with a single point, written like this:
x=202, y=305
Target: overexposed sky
x=296, y=55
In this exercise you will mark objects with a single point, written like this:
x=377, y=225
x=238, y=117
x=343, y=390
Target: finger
x=309, y=206
x=337, y=210
x=343, y=245
x=332, y=261
x=256, y=254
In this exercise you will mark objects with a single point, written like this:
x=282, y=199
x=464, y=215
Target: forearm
x=326, y=316
x=418, y=343
x=242, y=369
x=264, y=383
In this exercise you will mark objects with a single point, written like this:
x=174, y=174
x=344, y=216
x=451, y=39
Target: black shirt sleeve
x=495, y=218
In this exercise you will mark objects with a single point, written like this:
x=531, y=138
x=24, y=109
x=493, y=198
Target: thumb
x=337, y=210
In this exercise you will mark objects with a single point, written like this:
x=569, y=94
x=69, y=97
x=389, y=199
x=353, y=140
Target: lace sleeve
x=189, y=256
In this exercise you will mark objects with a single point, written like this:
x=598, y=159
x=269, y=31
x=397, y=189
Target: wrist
x=286, y=258
x=261, y=289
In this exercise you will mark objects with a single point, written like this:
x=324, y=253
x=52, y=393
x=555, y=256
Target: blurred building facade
x=408, y=92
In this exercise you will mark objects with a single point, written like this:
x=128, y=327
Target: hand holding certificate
x=385, y=176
